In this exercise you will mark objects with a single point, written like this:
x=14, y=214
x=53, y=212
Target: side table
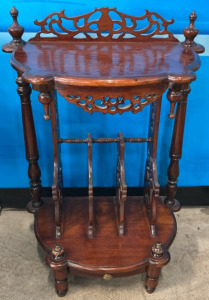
x=109, y=62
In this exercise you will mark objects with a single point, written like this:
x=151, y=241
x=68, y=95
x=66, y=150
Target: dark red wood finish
x=101, y=64
x=101, y=24
x=16, y=31
x=110, y=73
x=106, y=252
x=32, y=156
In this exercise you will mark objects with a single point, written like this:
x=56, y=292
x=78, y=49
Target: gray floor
x=24, y=275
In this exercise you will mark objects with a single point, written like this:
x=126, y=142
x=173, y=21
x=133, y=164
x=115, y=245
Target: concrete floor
x=24, y=275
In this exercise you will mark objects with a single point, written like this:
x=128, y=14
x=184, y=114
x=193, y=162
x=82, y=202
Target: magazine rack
x=109, y=62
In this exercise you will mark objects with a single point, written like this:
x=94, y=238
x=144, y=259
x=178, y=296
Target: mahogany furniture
x=109, y=62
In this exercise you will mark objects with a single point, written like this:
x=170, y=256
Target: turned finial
x=157, y=250
x=190, y=33
x=57, y=252
x=174, y=95
x=45, y=99
x=16, y=31
x=14, y=14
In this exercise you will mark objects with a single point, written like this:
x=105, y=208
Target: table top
x=96, y=63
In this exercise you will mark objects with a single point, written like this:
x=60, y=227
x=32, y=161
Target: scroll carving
x=104, y=24
x=152, y=187
x=111, y=104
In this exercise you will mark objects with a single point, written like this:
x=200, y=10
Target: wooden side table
x=107, y=62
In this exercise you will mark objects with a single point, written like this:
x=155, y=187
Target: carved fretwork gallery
x=105, y=61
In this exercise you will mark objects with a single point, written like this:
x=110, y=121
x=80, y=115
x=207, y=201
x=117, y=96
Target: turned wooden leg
x=153, y=271
x=32, y=156
x=56, y=260
x=152, y=277
x=160, y=257
x=176, y=149
x=61, y=282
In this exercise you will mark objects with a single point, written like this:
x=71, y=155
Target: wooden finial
x=190, y=33
x=157, y=250
x=16, y=31
x=174, y=95
x=57, y=252
x=45, y=99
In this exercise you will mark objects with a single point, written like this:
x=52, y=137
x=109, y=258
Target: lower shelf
x=106, y=252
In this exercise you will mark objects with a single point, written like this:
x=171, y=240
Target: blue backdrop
x=179, y=10
x=194, y=165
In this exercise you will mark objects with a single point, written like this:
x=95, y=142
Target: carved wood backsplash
x=104, y=24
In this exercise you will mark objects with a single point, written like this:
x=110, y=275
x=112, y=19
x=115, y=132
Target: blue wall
x=179, y=10
x=76, y=123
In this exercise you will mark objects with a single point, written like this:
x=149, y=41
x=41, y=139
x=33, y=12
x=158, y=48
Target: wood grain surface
x=99, y=63
x=106, y=251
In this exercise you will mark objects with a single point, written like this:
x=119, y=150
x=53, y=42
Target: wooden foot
x=176, y=206
x=161, y=258
x=152, y=277
x=33, y=209
x=61, y=282
x=56, y=260
x=148, y=258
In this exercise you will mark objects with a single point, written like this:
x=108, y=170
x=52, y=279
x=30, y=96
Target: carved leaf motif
x=100, y=25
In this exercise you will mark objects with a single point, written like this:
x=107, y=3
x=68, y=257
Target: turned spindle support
x=16, y=31
x=90, y=190
x=88, y=75
x=190, y=34
x=176, y=145
x=32, y=156
x=57, y=197
x=121, y=191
